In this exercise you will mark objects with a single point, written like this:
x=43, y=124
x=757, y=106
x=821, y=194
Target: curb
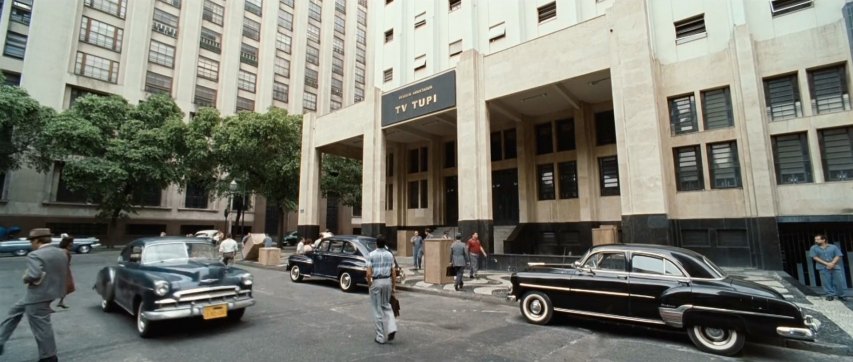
x=466, y=296
x=825, y=348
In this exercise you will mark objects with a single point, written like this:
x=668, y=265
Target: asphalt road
x=315, y=321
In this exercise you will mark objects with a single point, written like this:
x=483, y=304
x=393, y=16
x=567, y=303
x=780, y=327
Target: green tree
x=341, y=179
x=262, y=153
x=113, y=151
x=21, y=120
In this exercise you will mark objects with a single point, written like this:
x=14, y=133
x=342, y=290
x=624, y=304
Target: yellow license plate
x=215, y=311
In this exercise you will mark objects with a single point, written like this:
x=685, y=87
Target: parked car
x=21, y=246
x=291, y=238
x=164, y=278
x=340, y=257
x=661, y=286
x=206, y=234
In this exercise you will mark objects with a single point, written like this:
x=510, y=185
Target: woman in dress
x=67, y=244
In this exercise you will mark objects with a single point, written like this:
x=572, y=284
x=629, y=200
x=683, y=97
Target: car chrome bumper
x=194, y=310
x=808, y=333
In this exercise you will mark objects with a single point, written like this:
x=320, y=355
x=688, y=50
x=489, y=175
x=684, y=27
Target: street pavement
x=315, y=321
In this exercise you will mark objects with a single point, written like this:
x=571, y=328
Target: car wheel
x=721, y=341
x=84, y=249
x=346, y=282
x=20, y=252
x=107, y=304
x=143, y=326
x=295, y=274
x=236, y=315
x=537, y=308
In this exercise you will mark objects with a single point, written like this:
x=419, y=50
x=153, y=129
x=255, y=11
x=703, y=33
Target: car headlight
x=161, y=288
x=247, y=279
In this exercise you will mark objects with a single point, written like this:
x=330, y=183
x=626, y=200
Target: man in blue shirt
x=381, y=280
x=418, y=247
x=827, y=259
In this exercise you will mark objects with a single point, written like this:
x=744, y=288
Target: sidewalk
x=834, y=337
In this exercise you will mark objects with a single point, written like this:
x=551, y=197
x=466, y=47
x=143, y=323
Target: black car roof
x=649, y=248
x=697, y=267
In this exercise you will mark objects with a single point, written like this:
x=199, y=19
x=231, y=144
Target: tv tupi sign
x=430, y=96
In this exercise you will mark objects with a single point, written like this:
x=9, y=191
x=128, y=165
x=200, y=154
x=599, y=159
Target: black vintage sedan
x=341, y=258
x=664, y=286
x=170, y=278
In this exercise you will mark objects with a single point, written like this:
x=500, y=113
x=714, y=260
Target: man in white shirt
x=228, y=249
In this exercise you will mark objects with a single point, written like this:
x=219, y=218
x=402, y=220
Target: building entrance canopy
x=422, y=98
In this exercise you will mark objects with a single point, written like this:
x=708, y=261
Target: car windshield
x=177, y=253
x=369, y=244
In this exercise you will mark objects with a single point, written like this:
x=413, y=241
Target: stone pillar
x=638, y=126
x=373, y=173
x=308, y=219
x=473, y=137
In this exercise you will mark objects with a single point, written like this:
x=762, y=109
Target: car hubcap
x=536, y=307
x=715, y=334
x=84, y=249
x=294, y=273
x=103, y=304
x=140, y=321
x=345, y=280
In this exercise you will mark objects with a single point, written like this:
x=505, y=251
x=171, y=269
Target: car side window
x=607, y=261
x=336, y=246
x=324, y=245
x=647, y=264
x=671, y=269
x=349, y=248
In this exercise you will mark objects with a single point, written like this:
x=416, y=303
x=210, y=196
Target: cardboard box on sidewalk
x=436, y=259
x=404, y=245
x=605, y=234
x=253, y=246
x=269, y=256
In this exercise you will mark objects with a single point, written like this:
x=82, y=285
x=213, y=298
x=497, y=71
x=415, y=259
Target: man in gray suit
x=47, y=268
x=458, y=259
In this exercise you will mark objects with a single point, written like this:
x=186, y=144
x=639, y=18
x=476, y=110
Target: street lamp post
x=231, y=188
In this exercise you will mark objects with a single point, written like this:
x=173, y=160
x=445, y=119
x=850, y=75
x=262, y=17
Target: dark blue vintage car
x=661, y=286
x=170, y=278
x=22, y=246
x=340, y=258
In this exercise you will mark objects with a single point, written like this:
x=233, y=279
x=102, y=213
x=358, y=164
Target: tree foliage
x=21, y=121
x=341, y=178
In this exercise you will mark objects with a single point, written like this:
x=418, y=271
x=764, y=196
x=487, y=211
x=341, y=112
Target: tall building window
x=565, y=134
x=547, y=12
x=96, y=67
x=248, y=54
x=605, y=128
x=496, y=146
x=313, y=33
x=361, y=36
x=147, y=195
x=113, y=7
x=63, y=192
x=22, y=11
x=210, y=40
x=341, y=6
x=424, y=194
x=781, y=7
x=205, y=97
x=245, y=104
x=254, y=6
x=682, y=114
x=413, y=194
x=360, y=55
x=282, y=67
x=208, y=69
x=283, y=42
x=163, y=54
x=246, y=81
x=568, y=182
x=829, y=90
x=717, y=108
x=388, y=75
x=449, y=154
x=544, y=138
x=315, y=10
x=285, y=19
x=100, y=34
x=279, y=91
x=791, y=158
x=335, y=104
x=16, y=45
x=545, y=175
x=309, y=101
x=359, y=75
x=689, y=29
x=389, y=164
x=337, y=87
x=836, y=150
x=420, y=19
x=312, y=55
x=420, y=62
x=359, y=94
x=510, y=144
x=608, y=169
x=362, y=17
x=389, y=35
x=165, y=23
x=454, y=5
x=455, y=48
x=724, y=165
x=213, y=13
x=337, y=65
x=311, y=77
x=288, y=3
x=251, y=28
x=340, y=24
x=158, y=83
x=389, y=197
x=195, y=196
x=419, y=160
x=496, y=32
x=338, y=45
x=782, y=96
x=688, y=169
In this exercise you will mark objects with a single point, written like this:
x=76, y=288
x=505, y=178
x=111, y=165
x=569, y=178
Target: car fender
x=305, y=263
x=104, y=282
x=358, y=270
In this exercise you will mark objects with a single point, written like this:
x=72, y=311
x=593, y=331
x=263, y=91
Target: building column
x=373, y=173
x=308, y=219
x=473, y=150
x=638, y=127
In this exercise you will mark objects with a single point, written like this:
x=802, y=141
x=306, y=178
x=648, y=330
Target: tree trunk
x=281, y=220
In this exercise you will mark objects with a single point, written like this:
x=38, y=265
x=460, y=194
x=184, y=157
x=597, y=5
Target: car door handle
x=623, y=277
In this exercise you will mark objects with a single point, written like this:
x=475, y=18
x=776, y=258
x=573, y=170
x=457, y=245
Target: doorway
x=451, y=201
x=505, y=197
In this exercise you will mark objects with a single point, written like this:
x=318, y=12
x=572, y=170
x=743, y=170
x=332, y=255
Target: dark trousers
x=38, y=314
x=460, y=272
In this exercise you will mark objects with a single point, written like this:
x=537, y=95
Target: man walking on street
x=458, y=259
x=474, y=252
x=228, y=249
x=827, y=259
x=47, y=268
x=418, y=248
x=382, y=282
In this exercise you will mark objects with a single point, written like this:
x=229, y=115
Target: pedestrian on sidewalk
x=827, y=259
x=418, y=248
x=228, y=249
x=458, y=259
x=382, y=282
x=475, y=250
x=66, y=245
x=45, y=279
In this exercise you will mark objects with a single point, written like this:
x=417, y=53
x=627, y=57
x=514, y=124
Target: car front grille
x=210, y=295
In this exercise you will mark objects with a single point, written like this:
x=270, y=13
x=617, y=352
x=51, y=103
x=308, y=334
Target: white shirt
x=300, y=248
x=228, y=246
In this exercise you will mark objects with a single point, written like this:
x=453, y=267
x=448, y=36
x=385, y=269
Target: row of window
x=792, y=157
x=722, y=162
x=693, y=28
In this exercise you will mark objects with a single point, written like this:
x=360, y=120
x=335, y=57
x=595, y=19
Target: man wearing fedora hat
x=45, y=281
